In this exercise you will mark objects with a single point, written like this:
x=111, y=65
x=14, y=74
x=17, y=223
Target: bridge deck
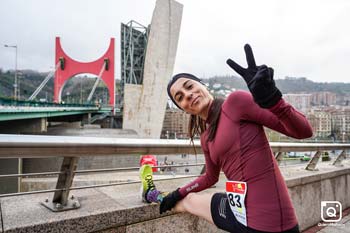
x=29, y=112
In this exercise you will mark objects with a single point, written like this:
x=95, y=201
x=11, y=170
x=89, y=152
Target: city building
x=331, y=123
x=343, y=99
x=323, y=98
x=341, y=123
x=175, y=124
x=320, y=120
x=302, y=102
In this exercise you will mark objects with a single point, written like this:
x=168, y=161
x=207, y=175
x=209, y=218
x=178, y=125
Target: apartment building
x=302, y=102
x=175, y=124
x=323, y=98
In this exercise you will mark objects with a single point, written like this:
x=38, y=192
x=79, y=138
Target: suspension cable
x=43, y=83
x=96, y=82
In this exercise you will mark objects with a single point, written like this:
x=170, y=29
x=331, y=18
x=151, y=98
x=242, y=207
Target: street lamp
x=19, y=77
x=20, y=162
x=15, y=85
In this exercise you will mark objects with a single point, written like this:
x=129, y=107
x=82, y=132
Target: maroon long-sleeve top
x=241, y=150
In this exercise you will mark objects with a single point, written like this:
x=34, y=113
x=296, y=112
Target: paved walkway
x=342, y=226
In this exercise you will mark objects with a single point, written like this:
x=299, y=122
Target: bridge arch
x=76, y=89
x=71, y=68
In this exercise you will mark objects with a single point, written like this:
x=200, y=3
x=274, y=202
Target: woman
x=233, y=140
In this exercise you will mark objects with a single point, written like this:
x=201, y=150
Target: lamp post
x=20, y=162
x=14, y=85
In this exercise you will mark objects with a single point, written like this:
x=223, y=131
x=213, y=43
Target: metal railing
x=31, y=103
x=35, y=146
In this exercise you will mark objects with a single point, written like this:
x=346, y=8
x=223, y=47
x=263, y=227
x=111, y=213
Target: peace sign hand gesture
x=259, y=80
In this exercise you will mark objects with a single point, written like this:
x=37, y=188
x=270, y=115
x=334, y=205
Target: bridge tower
x=69, y=68
x=145, y=95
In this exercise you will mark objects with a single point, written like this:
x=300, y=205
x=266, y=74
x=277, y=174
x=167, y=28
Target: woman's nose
x=189, y=95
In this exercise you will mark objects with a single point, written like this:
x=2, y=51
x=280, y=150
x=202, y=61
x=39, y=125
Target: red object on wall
x=72, y=67
x=149, y=159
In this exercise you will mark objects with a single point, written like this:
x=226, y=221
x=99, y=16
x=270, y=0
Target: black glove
x=259, y=80
x=169, y=201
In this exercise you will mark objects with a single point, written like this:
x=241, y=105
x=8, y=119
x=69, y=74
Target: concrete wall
x=28, y=126
x=308, y=192
x=132, y=99
x=186, y=223
x=32, y=165
x=144, y=106
x=119, y=208
x=9, y=166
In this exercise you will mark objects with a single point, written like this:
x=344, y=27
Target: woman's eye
x=190, y=86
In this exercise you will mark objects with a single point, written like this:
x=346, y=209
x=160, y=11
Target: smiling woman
x=233, y=140
x=191, y=95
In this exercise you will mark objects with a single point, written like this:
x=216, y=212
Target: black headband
x=175, y=78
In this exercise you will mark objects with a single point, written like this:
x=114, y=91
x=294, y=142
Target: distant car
x=304, y=158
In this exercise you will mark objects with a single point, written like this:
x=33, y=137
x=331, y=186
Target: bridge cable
x=43, y=83
x=96, y=82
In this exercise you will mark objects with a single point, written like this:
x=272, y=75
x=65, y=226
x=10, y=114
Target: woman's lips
x=195, y=101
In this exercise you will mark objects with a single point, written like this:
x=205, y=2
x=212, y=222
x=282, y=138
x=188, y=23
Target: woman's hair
x=196, y=125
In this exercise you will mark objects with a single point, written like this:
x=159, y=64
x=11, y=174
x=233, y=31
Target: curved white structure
x=144, y=105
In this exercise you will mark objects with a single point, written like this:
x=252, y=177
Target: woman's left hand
x=169, y=201
x=259, y=80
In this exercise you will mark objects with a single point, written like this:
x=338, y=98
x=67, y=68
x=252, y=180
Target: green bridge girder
x=18, y=110
x=20, y=115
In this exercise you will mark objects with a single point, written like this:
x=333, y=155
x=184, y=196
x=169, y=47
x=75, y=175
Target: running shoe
x=147, y=185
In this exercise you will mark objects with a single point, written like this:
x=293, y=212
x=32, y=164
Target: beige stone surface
x=26, y=214
x=119, y=208
x=0, y=220
x=343, y=226
x=149, y=100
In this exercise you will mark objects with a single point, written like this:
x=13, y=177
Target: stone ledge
x=96, y=212
x=101, y=208
x=314, y=177
x=188, y=223
x=0, y=219
x=119, y=208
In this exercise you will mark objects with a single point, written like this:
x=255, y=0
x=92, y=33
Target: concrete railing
x=15, y=146
x=28, y=146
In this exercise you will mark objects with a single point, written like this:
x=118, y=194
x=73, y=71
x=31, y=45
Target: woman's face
x=191, y=96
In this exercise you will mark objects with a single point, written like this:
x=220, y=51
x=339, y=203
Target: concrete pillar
x=27, y=126
x=144, y=105
x=9, y=166
x=86, y=119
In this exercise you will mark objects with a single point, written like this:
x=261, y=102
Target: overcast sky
x=298, y=38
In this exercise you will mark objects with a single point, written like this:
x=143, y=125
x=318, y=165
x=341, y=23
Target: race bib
x=236, y=192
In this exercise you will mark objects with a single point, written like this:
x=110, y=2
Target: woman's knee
x=198, y=204
x=189, y=202
x=195, y=202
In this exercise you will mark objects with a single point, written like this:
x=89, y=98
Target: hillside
x=77, y=89
x=287, y=85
